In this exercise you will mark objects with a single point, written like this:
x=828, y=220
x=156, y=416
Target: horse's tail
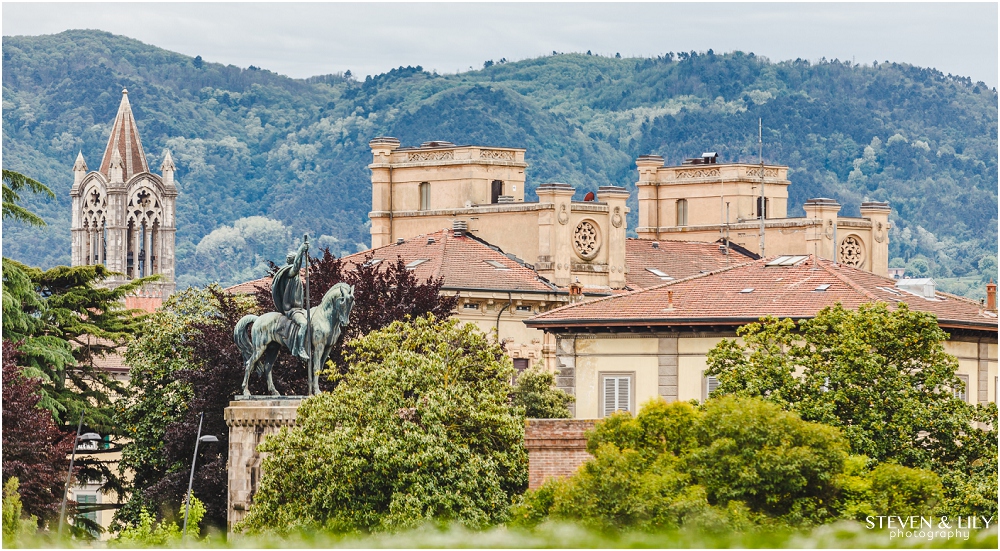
x=241, y=337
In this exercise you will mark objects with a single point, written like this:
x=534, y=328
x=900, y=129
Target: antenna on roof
x=762, y=206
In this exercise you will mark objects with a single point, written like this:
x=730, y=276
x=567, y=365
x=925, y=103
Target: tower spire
x=125, y=140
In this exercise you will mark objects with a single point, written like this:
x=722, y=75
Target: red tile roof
x=748, y=291
x=677, y=259
x=125, y=139
x=465, y=263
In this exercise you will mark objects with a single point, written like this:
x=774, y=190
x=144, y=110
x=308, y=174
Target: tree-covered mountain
x=249, y=142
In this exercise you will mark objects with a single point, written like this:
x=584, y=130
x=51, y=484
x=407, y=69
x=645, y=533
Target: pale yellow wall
x=596, y=354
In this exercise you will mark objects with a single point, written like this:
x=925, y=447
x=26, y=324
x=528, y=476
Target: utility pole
x=762, y=206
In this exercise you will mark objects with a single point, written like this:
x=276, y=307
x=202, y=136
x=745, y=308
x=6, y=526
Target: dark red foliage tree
x=381, y=297
x=34, y=450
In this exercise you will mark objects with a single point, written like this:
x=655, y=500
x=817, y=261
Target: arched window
x=682, y=212
x=425, y=196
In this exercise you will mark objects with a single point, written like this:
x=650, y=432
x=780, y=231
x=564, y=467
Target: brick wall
x=556, y=448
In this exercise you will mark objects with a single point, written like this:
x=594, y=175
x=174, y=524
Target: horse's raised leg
x=269, y=357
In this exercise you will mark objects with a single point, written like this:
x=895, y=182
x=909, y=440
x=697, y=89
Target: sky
x=307, y=39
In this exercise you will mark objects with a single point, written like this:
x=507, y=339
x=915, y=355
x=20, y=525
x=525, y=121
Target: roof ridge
x=848, y=281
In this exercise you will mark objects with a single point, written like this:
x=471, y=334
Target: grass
x=564, y=535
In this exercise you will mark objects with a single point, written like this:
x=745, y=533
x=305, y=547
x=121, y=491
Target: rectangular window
x=682, y=212
x=425, y=196
x=88, y=499
x=520, y=364
x=963, y=392
x=711, y=383
x=762, y=209
x=496, y=190
x=617, y=393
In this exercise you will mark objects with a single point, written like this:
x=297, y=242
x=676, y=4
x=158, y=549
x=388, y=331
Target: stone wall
x=556, y=448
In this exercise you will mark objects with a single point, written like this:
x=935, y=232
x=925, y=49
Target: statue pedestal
x=250, y=420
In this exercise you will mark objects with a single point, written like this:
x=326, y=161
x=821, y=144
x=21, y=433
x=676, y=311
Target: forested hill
x=249, y=142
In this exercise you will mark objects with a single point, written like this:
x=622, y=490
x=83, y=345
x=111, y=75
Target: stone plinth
x=556, y=448
x=249, y=422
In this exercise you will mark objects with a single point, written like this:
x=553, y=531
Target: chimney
x=575, y=292
x=670, y=301
x=460, y=227
x=991, y=296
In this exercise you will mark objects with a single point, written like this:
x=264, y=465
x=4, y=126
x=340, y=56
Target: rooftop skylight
x=823, y=287
x=415, y=263
x=659, y=273
x=497, y=264
x=787, y=260
x=747, y=290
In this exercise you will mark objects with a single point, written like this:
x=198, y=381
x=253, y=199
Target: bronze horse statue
x=269, y=332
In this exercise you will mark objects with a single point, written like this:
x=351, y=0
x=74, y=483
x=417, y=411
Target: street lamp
x=208, y=439
x=88, y=437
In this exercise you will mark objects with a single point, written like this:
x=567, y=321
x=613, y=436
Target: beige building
x=617, y=352
x=703, y=200
x=420, y=190
x=124, y=215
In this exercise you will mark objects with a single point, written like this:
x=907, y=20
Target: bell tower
x=124, y=215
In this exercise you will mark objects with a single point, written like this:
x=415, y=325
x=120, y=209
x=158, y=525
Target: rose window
x=852, y=252
x=586, y=240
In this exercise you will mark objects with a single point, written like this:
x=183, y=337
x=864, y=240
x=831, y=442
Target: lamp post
x=88, y=437
x=208, y=438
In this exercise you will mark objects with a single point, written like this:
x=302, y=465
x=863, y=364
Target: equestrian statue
x=308, y=333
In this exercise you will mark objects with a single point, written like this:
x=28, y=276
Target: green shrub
x=149, y=533
x=16, y=529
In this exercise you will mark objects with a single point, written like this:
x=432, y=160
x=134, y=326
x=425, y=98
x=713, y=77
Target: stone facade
x=250, y=421
x=420, y=190
x=707, y=202
x=556, y=448
x=124, y=216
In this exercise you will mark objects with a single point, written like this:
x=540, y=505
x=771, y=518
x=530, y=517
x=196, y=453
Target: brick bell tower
x=124, y=215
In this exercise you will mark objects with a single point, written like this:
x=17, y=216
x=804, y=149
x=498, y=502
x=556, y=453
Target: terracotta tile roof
x=249, y=287
x=465, y=262
x=125, y=140
x=748, y=291
x=676, y=259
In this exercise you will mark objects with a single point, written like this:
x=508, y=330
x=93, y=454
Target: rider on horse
x=286, y=290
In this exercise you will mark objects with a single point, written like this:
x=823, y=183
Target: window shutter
x=711, y=383
x=610, y=392
x=623, y=394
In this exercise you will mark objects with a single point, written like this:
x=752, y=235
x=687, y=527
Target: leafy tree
x=14, y=182
x=183, y=362
x=66, y=320
x=535, y=391
x=419, y=429
x=34, y=450
x=880, y=375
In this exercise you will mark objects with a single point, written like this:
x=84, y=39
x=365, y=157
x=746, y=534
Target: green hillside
x=249, y=142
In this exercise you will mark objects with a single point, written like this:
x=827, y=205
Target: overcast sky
x=307, y=39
